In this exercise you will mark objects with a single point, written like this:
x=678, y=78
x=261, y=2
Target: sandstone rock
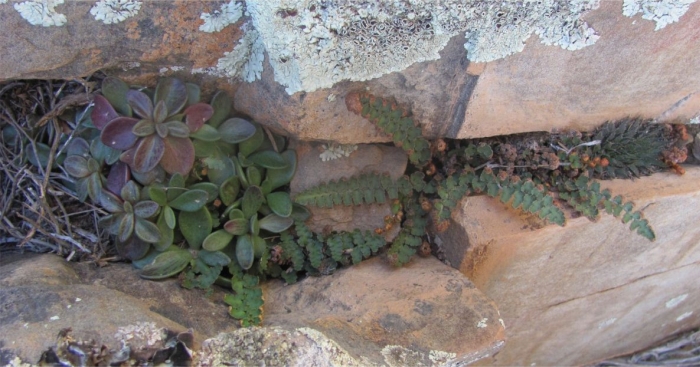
x=576, y=294
x=312, y=171
x=162, y=38
x=398, y=317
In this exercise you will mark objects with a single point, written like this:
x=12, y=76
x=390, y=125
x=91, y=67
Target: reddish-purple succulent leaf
x=197, y=114
x=117, y=134
x=76, y=166
x=110, y=202
x=160, y=112
x=140, y=103
x=178, y=129
x=118, y=176
x=78, y=146
x=146, y=209
x=102, y=113
x=128, y=156
x=133, y=249
x=173, y=92
x=148, y=154
x=178, y=156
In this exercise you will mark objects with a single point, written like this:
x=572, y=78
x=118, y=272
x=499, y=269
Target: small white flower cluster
x=115, y=11
x=229, y=14
x=335, y=151
x=41, y=12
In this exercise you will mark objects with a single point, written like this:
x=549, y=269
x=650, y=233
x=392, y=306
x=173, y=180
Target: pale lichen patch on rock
x=663, y=12
x=41, y=12
x=219, y=19
x=245, y=61
x=334, y=151
x=313, y=44
x=115, y=11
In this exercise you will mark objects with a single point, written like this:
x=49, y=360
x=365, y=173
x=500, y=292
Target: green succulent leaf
x=259, y=246
x=253, y=143
x=194, y=93
x=178, y=129
x=300, y=213
x=217, y=240
x=126, y=227
x=160, y=112
x=130, y=192
x=254, y=225
x=190, y=200
x=276, y=224
x=115, y=90
x=110, y=202
x=237, y=227
x=42, y=154
x=214, y=258
x=229, y=190
x=169, y=215
x=206, y=133
x=236, y=130
x=254, y=176
x=252, y=200
x=268, y=159
x=76, y=166
x=195, y=226
x=282, y=176
x=146, y=209
x=211, y=189
x=158, y=195
x=145, y=230
x=167, y=234
x=236, y=214
x=280, y=203
x=167, y=264
x=173, y=93
x=221, y=103
x=244, y=251
x=222, y=171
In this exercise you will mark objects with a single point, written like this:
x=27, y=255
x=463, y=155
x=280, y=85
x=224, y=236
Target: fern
x=368, y=188
x=394, y=121
x=451, y=191
x=246, y=302
x=587, y=198
x=291, y=251
x=409, y=238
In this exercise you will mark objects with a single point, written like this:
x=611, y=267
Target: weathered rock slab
x=561, y=289
x=406, y=316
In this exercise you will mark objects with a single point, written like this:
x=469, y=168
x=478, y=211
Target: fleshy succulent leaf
x=268, y=159
x=140, y=103
x=133, y=248
x=237, y=227
x=119, y=175
x=126, y=227
x=282, y=176
x=211, y=189
x=217, y=240
x=144, y=128
x=300, y=213
x=94, y=186
x=167, y=235
x=195, y=226
x=167, y=264
x=197, y=114
x=190, y=201
x=149, y=151
x=173, y=92
x=146, y=231
x=102, y=113
x=76, y=166
x=146, y=208
x=228, y=192
x=178, y=129
x=169, y=216
x=275, y=224
x=236, y=130
x=244, y=251
x=280, y=203
x=252, y=200
x=130, y=192
x=160, y=112
x=221, y=104
x=193, y=93
x=206, y=133
x=117, y=133
x=110, y=202
x=178, y=156
x=78, y=146
x=115, y=90
x=251, y=144
x=157, y=194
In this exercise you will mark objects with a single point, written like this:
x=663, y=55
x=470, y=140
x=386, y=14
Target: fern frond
x=394, y=121
x=246, y=302
x=368, y=188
